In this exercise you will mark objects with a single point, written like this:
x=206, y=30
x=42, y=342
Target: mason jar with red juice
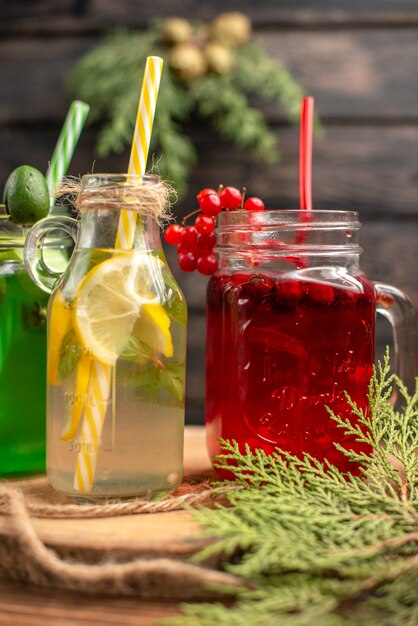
x=291, y=330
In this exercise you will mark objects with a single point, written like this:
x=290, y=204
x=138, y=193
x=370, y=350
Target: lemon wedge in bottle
x=60, y=317
x=153, y=328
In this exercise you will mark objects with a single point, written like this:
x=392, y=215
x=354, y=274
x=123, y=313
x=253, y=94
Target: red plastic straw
x=305, y=154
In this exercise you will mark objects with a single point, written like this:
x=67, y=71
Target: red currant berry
x=288, y=292
x=344, y=297
x=204, y=224
x=206, y=241
x=319, y=293
x=188, y=236
x=205, y=192
x=210, y=204
x=183, y=247
x=231, y=198
x=258, y=287
x=207, y=265
x=172, y=234
x=187, y=262
x=254, y=204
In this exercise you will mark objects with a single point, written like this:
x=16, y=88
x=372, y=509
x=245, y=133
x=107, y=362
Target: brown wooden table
x=22, y=605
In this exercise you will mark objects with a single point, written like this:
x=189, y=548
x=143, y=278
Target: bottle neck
x=121, y=211
x=110, y=229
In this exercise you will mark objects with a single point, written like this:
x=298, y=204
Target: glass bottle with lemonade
x=116, y=346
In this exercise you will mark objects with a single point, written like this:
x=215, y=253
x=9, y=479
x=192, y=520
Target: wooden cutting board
x=171, y=536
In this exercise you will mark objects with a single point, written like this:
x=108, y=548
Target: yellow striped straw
x=101, y=375
x=140, y=142
x=92, y=426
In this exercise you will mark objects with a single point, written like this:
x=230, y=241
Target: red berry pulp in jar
x=279, y=350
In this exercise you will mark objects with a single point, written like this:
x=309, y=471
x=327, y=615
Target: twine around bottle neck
x=150, y=199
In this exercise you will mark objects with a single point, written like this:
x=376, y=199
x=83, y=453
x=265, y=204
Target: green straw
x=66, y=145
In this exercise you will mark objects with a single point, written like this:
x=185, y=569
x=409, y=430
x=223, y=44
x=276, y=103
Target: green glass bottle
x=22, y=359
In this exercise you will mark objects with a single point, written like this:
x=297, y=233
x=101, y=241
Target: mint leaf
x=147, y=383
x=148, y=393
x=69, y=355
x=147, y=377
x=149, y=373
x=172, y=378
x=136, y=350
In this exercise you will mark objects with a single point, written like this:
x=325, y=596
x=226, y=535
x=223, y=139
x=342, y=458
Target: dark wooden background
x=358, y=59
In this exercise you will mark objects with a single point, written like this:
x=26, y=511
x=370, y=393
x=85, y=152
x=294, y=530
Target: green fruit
x=26, y=195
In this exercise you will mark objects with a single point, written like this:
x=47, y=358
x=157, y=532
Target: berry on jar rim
x=254, y=204
x=231, y=198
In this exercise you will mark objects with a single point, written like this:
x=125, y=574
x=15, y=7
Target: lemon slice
x=60, y=321
x=109, y=302
x=153, y=328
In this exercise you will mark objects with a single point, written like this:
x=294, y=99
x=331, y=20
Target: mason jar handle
x=396, y=307
x=45, y=276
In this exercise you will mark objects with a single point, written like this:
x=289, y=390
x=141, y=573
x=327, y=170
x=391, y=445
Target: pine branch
x=257, y=73
x=317, y=545
x=108, y=79
x=117, y=133
x=174, y=152
x=111, y=72
x=226, y=108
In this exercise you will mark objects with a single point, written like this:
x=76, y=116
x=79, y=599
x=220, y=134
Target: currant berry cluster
x=195, y=244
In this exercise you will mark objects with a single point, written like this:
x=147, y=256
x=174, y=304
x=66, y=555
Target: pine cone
x=176, y=30
x=231, y=29
x=219, y=58
x=187, y=61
